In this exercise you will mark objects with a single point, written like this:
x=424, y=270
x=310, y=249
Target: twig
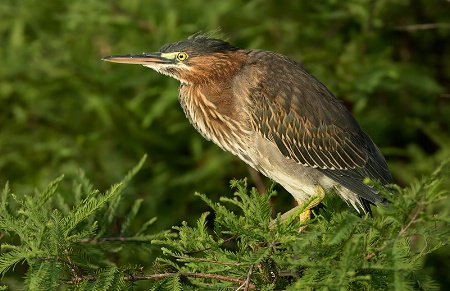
x=72, y=267
x=373, y=4
x=424, y=26
x=208, y=261
x=166, y=275
x=423, y=249
x=205, y=249
x=78, y=278
x=104, y=239
x=249, y=276
x=68, y=263
x=413, y=219
x=372, y=254
x=404, y=229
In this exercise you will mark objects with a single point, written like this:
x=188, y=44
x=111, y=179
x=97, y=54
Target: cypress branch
x=226, y=248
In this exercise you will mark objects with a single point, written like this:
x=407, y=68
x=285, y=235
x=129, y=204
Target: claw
x=302, y=210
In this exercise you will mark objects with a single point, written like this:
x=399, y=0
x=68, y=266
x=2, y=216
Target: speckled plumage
x=270, y=112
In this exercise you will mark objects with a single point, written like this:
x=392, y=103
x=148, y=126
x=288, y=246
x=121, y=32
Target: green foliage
x=60, y=244
x=338, y=251
x=62, y=109
x=239, y=245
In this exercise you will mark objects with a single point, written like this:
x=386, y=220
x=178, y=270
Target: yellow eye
x=182, y=56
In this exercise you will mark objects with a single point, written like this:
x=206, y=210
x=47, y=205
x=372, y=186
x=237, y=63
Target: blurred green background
x=63, y=109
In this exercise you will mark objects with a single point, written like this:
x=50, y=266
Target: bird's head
x=198, y=59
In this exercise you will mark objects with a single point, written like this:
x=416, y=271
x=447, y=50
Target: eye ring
x=182, y=56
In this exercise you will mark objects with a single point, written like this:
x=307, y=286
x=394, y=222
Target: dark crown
x=199, y=45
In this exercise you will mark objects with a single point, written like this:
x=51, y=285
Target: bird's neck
x=212, y=110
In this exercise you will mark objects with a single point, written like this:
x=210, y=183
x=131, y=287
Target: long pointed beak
x=139, y=59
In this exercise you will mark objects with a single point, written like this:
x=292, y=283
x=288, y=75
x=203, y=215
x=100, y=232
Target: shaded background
x=62, y=109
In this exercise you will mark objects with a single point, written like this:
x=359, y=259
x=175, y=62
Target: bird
x=269, y=111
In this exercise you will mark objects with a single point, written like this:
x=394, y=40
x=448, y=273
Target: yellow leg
x=303, y=209
x=312, y=202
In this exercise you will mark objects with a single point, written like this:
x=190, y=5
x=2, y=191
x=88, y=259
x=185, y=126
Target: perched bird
x=269, y=111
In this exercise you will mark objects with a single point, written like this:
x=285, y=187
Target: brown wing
x=309, y=125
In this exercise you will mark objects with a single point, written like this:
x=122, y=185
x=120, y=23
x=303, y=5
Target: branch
x=404, y=229
x=68, y=262
x=423, y=249
x=208, y=261
x=104, y=239
x=413, y=219
x=249, y=276
x=205, y=249
x=77, y=278
x=166, y=275
x=372, y=254
x=424, y=26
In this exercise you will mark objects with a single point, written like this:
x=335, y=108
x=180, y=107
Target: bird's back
x=303, y=120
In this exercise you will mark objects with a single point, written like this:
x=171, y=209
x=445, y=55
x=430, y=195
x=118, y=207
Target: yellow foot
x=312, y=202
x=303, y=209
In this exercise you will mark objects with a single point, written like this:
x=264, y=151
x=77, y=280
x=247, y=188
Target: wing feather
x=309, y=125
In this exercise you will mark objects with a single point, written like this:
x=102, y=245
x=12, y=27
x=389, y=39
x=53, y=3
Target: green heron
x=275, y=116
